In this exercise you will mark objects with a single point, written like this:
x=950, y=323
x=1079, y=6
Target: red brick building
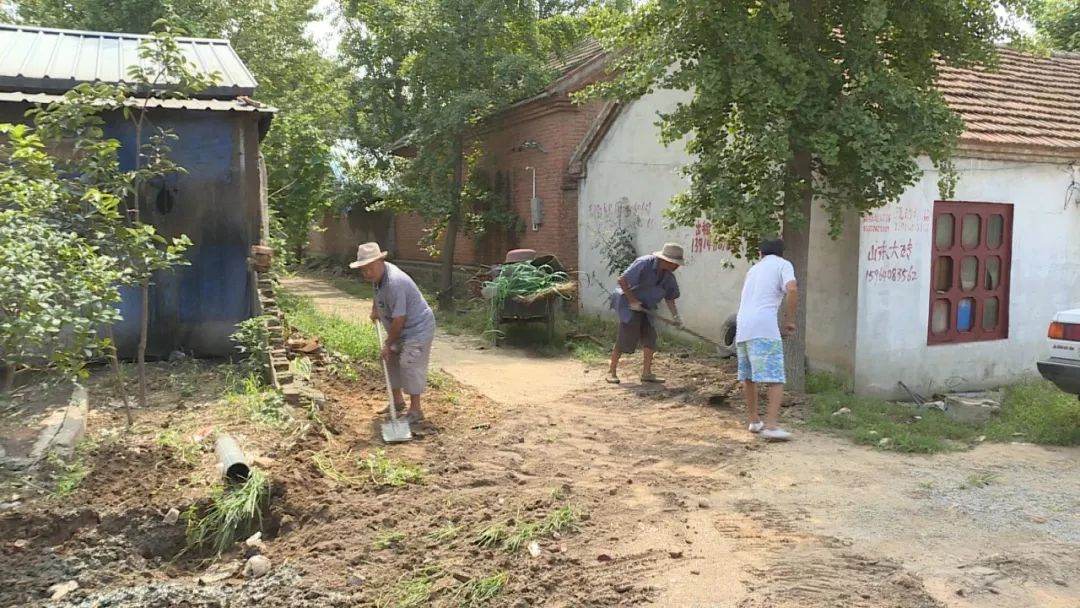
x=545, y=135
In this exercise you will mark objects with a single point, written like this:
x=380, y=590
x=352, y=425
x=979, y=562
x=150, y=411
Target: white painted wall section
x=894, y=294
x=630, y=179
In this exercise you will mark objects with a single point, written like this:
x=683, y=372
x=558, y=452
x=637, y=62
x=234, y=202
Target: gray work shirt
x=397, y=295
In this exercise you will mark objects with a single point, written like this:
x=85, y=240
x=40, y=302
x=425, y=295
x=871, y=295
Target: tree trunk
x=144, y=331
x=9, y=377
x=446, y=275
x=798, y=206
x=121, y=382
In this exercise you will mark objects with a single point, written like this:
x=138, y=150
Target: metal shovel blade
x=396, y=431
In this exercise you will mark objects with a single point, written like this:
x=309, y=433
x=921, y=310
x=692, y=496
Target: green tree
x=800, y=101
x=1058, y=23
x=58, y=287
x=442, y=66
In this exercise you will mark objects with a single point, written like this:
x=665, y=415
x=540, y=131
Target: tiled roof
x=580, y=54
x=44, y=60
x=1030, y=102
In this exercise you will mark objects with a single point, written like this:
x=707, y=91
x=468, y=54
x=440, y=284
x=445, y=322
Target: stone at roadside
x=59, y=590
x=703, y=504
x=885, y=442
x=844, y=411
x=172, y=516
x=255, y=540
x=675, y=554
x=257, y=566
x=218, y=573
x=623, y=587
x=534, y=549
x=971, y=410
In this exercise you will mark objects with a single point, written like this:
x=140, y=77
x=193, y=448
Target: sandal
x=651, y=378
x=401, y=407
x=613, y=379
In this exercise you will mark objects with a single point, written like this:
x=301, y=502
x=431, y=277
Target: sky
x=325, y=31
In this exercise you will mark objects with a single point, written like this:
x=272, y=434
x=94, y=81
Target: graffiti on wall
x=895, y=218
x=703, y=241
x=621, y=213
x=890, y=261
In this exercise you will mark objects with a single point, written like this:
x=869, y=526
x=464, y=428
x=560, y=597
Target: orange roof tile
x=1028, y=102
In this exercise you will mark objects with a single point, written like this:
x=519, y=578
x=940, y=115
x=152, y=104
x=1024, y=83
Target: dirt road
x=693, y=511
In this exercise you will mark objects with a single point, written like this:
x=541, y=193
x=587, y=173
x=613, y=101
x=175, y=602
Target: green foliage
x=390, y=473
x=248, y=397
x=330, y=470
x=795, y=99
x=59, y=286
x=355, y=339
x=182, y=449
x=252, y=340
x=618, y=251
x=1058, y=23
x=234, y=513
x=1038, y=412
x=67, y=474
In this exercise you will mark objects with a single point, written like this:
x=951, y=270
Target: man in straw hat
x=409, y=323
x=648, y=280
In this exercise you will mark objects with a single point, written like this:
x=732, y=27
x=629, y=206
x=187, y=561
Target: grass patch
x=385, y=539
x=1038, y=412
x=563, y=519
x=249, y=398
x=907, y=429
x=67, y=474
x=182, y=449
x=412, y=592
x=446, y=533
x=481, y=590
x=520, y=536
x=329, y=470
x=234, y=513
x=980, y=480
x=390, y=473
x=493, y=534
x=354, y=338
x=1034, y=411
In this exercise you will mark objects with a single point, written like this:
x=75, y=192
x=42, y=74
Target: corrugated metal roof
x=45, y=60
x=240, y=104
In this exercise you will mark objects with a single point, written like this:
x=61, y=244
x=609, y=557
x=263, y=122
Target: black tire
x=726, y=349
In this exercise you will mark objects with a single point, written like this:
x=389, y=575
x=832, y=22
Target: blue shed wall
x=216, y=204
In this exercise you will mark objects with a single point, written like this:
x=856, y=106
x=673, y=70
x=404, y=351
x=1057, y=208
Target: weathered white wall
x=630, y=179
x=893, y=313
x=832, y=303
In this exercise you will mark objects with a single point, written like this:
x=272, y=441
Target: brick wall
x=559, y=127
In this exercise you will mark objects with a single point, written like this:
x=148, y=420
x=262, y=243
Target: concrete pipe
x=233, y=464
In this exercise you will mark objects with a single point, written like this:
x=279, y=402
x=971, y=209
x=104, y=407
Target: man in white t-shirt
x=759, y=337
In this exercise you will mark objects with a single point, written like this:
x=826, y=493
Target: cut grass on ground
x=1034, y=412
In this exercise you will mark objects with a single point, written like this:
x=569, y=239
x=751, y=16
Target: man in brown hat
x=648, y=280
x=409, y=323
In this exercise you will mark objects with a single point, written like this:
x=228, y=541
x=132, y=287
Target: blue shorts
x=761, y=360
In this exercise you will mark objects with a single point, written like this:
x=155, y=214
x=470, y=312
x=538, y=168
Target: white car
x=1062, y=367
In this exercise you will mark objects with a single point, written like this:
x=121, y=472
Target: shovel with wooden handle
x=681, y=327
x=397, y=430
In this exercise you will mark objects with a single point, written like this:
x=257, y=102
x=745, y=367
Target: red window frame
x=978, y=293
